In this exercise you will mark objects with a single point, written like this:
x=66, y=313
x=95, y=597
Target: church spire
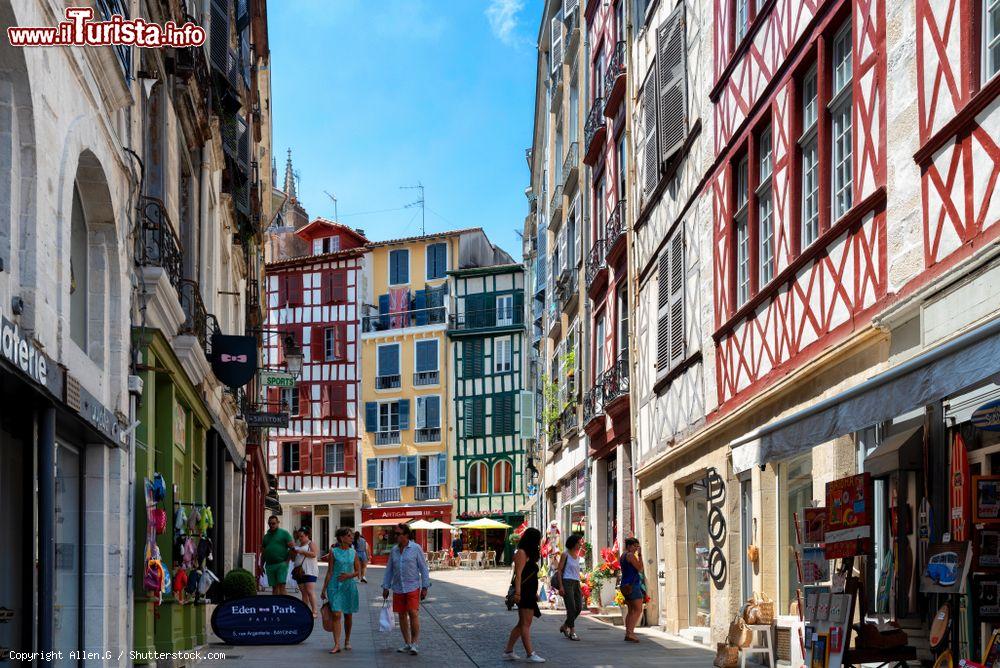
x=290, y=178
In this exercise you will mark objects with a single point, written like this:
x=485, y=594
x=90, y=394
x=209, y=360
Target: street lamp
x=293, y=355
x=531, y=476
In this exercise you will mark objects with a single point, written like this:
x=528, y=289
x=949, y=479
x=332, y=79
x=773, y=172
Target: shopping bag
x=385, y=618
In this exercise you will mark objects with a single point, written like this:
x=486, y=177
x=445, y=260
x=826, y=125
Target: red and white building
x=816, y=262
x=315, y=299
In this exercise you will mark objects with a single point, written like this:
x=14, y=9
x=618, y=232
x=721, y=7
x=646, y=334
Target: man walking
x=406, y=574
x=275, y=548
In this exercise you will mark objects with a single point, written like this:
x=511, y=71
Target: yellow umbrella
x=485, y=523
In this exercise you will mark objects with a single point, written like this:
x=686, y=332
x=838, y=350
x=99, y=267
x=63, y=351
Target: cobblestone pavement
x=464, y=623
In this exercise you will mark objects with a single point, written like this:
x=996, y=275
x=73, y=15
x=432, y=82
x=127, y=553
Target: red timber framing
x=823, y=291
x=256, y=490
x=959, y=156
x=321, y=311
x=610, y=423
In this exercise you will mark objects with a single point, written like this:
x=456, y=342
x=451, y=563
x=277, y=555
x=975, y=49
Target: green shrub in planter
x=239, y=583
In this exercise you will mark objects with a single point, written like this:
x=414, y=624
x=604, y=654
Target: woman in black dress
x=525, y=584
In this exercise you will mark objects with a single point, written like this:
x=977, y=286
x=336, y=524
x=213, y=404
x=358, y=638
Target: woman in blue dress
x=340, y=588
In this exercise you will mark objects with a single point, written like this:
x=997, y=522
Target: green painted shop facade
x=486, y=334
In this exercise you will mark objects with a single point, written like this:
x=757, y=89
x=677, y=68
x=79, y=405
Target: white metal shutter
x=577, y=233
x=671, y=69
x=556, y=50
x=650, y=151
x=677, y=338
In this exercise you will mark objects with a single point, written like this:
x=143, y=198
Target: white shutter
x=421, y=411
x=650, y=151
x=663, y=310
x=569, y=6
x=671, y=69
x=563, y=260
x=556, y=50
x=577, y=233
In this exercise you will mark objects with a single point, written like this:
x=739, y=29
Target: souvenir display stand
x=766, y=648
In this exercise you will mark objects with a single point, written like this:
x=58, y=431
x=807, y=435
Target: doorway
x=14, y=584
x=699, y=582
x=656, y=512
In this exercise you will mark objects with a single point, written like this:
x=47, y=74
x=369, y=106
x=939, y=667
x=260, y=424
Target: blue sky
x=372, y=95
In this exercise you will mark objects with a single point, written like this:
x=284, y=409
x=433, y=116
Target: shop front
x=377, y=528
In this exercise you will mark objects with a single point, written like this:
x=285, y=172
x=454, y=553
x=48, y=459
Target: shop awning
x=382, y=522
x=901, y=450
x=924, y=379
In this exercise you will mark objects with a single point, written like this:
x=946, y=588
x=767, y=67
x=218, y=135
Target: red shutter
x=304, y=456
x=340, y=341
x=273, y=399
x=318, y=344
x=282, y=289
x=338, y=400
x=317, y=458
x=350, y=457
x=325, y=401
x=295, y=290
x=325, y=288
x=338, y=286
x=304, y=397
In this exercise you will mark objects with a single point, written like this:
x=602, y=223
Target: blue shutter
x=420, y=306
x=432, y=411
x=442, y=469
x=403, y=473
x=383, y=311
x=388, y=360
x=371, y=417
x=426, y=355
x=411, y=470
x=404, y=414
x=372, y=473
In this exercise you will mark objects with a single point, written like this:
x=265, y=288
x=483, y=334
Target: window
x=503, y=414
x=333, y=458
x=742, y=19
x=600, y=205
x=437, y=261
x=795, y=492
x=742, y=232
x=290, y=400
x=333, y=343
x=671, y=345
x=840, y=118
x=505, y=310
x=599, y=341
x=333, y=286
x=388, y=416
x=429, y=412
x=622, y=301
x=399, y=267
x=622, y=166
x=426, y=355
x=78, y=273
x=474, y=416
x=502, y=355
x=991, y=38
x=388, y=367
x=473, y=358
x=289, y=456
x=477, y=479
x=809, y=148
x=503, y=477
x=599, y=73
x=765, y=208
x=326, y=245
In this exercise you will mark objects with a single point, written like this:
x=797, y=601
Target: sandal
x=347, y=646
x=335, y=650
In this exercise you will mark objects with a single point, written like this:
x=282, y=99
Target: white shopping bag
x=385, y=619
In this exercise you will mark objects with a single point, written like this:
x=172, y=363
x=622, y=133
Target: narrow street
x=464, y=623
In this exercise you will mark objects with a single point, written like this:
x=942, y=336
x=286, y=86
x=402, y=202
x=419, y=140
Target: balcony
x=556, y=204
x=597, y=267
x=427, y=435
x=499, y=317
x=568, y=420
x=570, y=165
x=594, y=131
x=593, y=402
x=386, y=494
x=616, y=379
x=157, y=244
x=387, y=382
x=387, y=438
x=615, y=229
x=197, y=321
x=557, y=88
x=426, y=378
x=614, y=81
x=426, y=492
x=567, y=289
x=374, y=321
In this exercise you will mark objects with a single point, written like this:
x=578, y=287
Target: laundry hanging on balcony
x=399, y=307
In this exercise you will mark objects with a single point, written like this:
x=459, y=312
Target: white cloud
x=502, y=15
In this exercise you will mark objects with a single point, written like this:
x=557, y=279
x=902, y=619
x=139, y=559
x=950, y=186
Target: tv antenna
x=334, y=198
x=420, y=203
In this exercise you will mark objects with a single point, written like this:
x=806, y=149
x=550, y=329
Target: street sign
x=277, y=379
x=264, y=420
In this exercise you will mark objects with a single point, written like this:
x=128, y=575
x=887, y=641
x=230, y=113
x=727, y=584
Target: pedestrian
x=275, y=548
x=457, y=546
x=525, y=583
x=339, y=589
x=567, y=579
x=361, y=547
x=632, y=586
x=407, y=576
x=306, y=568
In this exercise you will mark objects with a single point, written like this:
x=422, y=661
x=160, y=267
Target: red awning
x=382, y=522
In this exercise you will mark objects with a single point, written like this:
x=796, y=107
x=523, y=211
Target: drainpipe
x=207, y=267
x=46, y=418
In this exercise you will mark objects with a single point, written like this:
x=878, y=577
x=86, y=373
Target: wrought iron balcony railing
x=499, y=316
x=373, y=321
x=615, y=228
x=567, y=287
x=387, y=437
x=386, y=494
x=596, y=261
x=157, y=244
x=426, y=378
x=593, y=403
x=616, y=379
x=555, y=204
x=569, y=166
x=426, y=492
x=427, y=435
x=568, y=419
x=198, y=321
x=616, y=66
x=595, y=122
x=387, y=382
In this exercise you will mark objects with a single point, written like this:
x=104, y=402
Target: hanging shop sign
x=266, y=420
x=277, y=379
x=849, y=516
x=262, y=620
x=20, y=351
x=234, y=359
x=987, y=416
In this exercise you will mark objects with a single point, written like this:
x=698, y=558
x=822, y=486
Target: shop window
x=697, y=548
x=503, y=477
x=991, y=38
x=478, y=480
x=747, y=537
x=795, y=492
x=289, y=456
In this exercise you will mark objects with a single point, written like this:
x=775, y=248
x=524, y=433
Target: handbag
x=765, y=608
x=327, y=615
x=626, y=590
x=726, y=656
x=740, y=634
x=298, y=574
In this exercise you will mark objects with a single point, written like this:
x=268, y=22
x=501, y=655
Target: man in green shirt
x=275, y=549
